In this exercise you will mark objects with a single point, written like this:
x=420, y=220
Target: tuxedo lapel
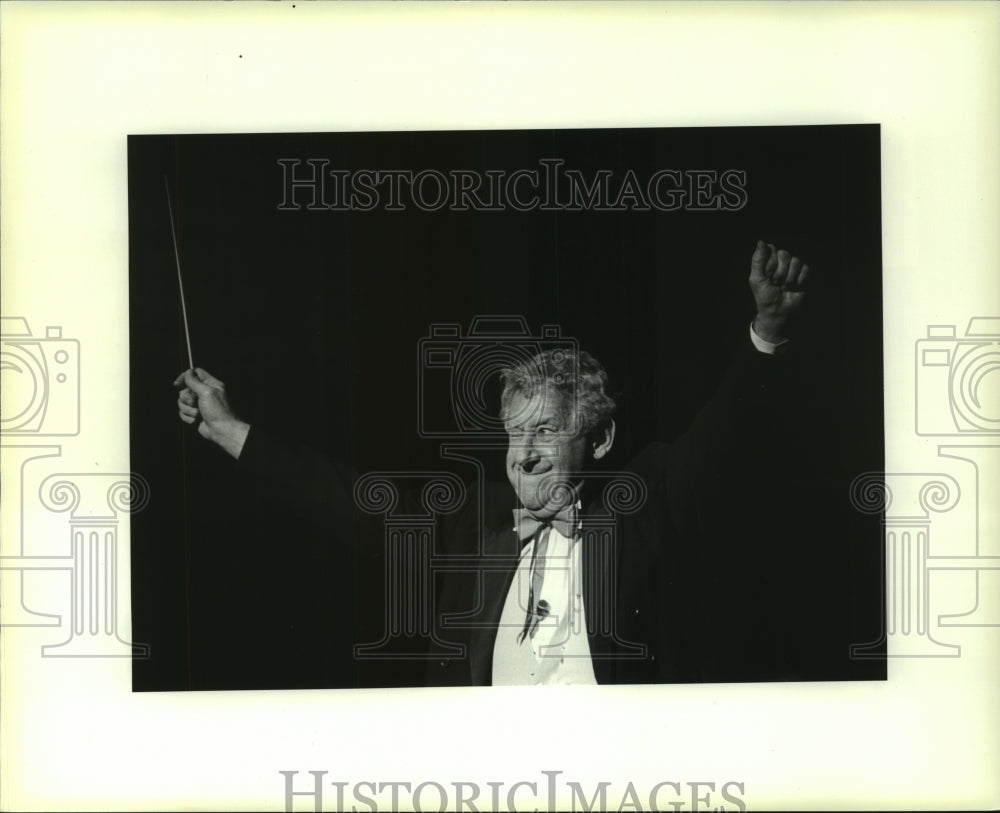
x=607, y=609
x=598, y=562
x=499, y=565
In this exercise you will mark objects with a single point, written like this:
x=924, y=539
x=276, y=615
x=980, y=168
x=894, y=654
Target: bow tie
x=526, y=524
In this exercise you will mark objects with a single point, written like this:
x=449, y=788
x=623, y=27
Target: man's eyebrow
x=512, y=425
x=536, y=422
x=530, y=420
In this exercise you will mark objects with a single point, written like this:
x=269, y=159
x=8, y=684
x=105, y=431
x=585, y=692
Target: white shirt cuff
x=763, y=345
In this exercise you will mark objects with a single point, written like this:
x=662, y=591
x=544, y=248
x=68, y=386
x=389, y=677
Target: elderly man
x=566, y=593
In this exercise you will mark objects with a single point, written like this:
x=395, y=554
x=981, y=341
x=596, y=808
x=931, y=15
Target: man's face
x=544, y=457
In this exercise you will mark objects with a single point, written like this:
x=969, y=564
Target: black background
x=313, y=320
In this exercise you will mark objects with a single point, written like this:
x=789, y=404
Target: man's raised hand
x=777, y=280
x=203, y=396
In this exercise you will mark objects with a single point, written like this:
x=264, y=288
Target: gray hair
x=578, y=378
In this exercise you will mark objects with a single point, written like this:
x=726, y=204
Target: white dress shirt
x=557, y=651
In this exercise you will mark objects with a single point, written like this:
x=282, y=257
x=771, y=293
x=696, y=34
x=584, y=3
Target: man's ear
x=603, y=439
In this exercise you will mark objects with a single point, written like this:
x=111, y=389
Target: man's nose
x=525, y=453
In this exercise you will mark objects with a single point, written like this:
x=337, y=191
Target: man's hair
x=579, y=380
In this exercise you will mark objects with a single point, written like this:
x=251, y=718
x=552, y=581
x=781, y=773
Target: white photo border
x=78, y=77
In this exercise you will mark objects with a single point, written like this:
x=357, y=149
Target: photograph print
x=470, y=408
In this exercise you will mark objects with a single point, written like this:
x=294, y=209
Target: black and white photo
x=399, y=339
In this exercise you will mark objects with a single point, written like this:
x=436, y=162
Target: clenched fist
x=778, y=282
